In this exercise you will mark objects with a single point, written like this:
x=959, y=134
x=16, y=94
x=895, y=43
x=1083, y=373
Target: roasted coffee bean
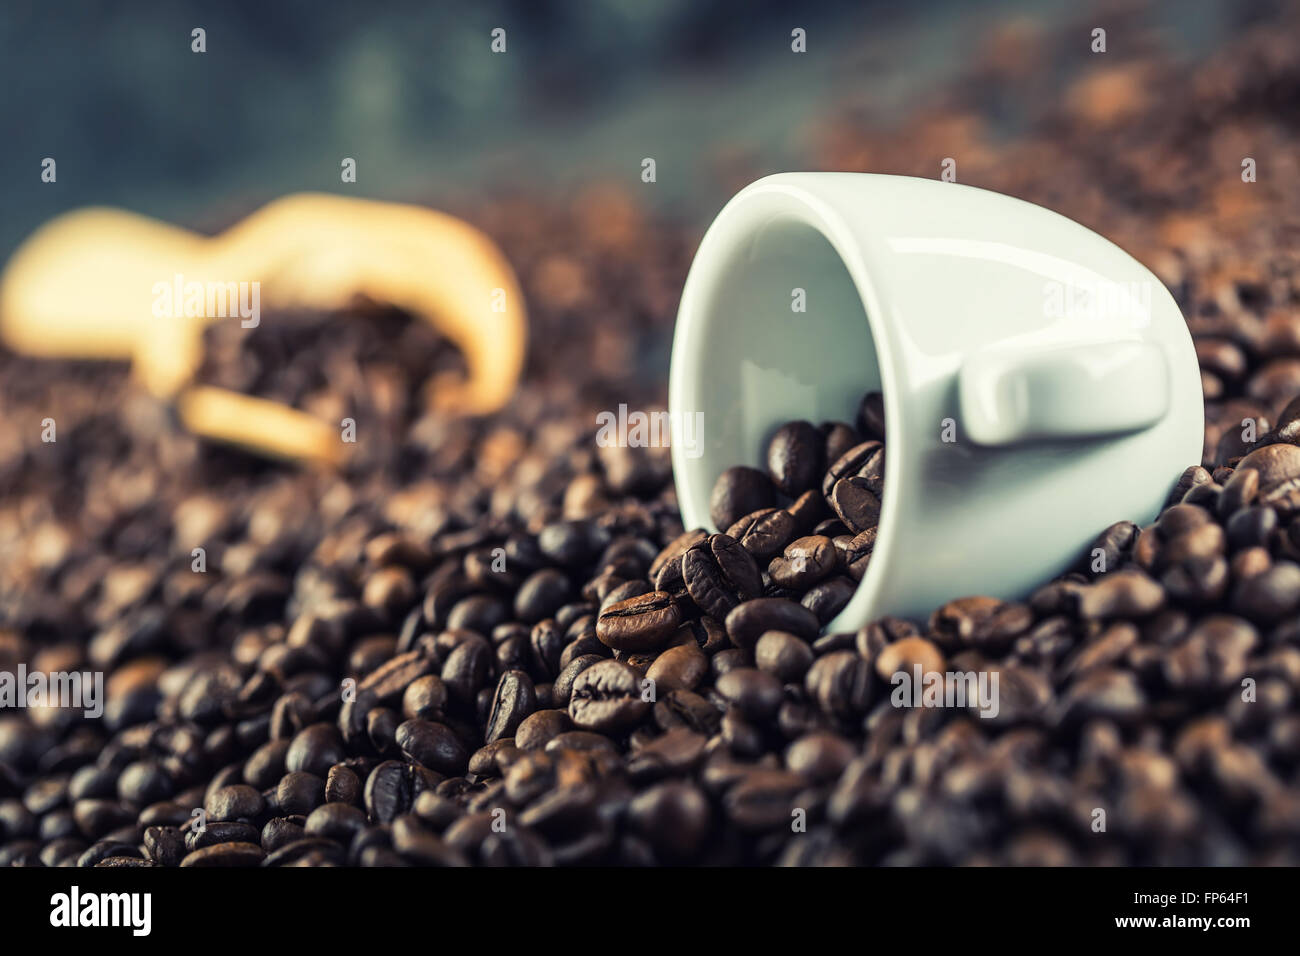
x=607, y=698
x=299, y=793
x=1121, y=593
x=868, y=454
x=640, y=623
x=335, y=821
x=855, y=503
x=468, y=668
x=755, y=693
x=855, y=554
x=682, y=708
x=225, y=854
x=281, y=831
x=142, y=782
x=239, y=802
x=563, y=686
x=907, y=655
x=392, y=787
x=871, y=416
x=164, y=845
x=674, y=817
x=315, y=749
x=749, y=621
x=540, y=728
x=763, y=799
x=230, y=831
x=425, y=698
x=827, y=599
x=572, y=543
x=804, y=562
x=738, y=492
x=840, y=683
x=546, y=642
x=820, y=756
x=678, y=668
x=1270, y=595
x=783, y=655
x=432, y=745
x=806, y=513
x=423, y=848
x=267, y=764
x=719, y=574
x=515, y=699
x=795, y=458
x=763, y=533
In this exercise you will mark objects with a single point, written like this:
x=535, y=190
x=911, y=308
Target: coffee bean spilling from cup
x=798, y=538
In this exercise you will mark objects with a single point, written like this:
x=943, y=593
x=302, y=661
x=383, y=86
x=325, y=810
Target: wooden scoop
x=88, y=284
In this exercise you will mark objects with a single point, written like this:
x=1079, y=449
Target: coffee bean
x=866, y=455
x=425, y=697
x=674, y=817
x=738, y=492
x=763, y=799
x=607, y=698
x=749, y=621
x=315, y=749
x=142, y=782
x=541, y=595
x=827, y=599
x=805, y=562
x=335, y=821
x=763, y=533
x=299, y=793
x=639, y=624
x=540, y=728
x=719, y=574
x=515, y=699
x=840, y=683
x=819, y=756
x=220, y=832
x=563, y=686
x=164, y=845
x=795, y=458
x=857, y=506
x=225, y=854
x=1270, y=595
x=806, y=513
x=1117, y=682
x=467, y=668
x=392, y=787
x=1276, y=464
x=678, y=668
x=281, y=831
x=756, y=693
x=871, y=416
x=906, y=655
x=432, y=745
x=783, y=655
x=1122, y=593
x=423, y=848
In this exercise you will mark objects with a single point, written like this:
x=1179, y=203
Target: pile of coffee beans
x=801, y=531
x=492, y=642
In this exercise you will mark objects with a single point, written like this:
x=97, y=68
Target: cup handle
x=1008, y=396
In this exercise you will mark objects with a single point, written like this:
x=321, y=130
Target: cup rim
x=784, y=196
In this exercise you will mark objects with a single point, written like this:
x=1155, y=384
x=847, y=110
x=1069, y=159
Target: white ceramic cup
x=1058, y=364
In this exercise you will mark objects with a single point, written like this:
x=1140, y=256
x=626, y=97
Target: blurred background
x=585, y=90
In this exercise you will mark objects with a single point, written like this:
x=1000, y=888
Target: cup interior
x=760, y=361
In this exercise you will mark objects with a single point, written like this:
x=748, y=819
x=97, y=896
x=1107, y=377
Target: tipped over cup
x=1038, y=382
